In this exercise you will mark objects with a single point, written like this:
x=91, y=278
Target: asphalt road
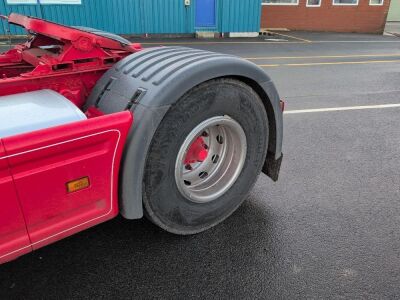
x=329, y=229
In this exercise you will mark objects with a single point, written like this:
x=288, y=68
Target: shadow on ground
x=127, y=258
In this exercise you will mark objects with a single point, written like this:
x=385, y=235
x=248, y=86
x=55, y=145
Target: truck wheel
x=205, y=156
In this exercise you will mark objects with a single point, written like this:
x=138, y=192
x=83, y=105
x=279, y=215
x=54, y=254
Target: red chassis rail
x=65, y=59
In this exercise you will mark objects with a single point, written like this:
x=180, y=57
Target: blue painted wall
x=142, y=16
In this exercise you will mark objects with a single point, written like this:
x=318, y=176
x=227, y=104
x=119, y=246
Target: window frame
x=288, y=4
x=313, y=5
x=380, y=4
x=345, y=4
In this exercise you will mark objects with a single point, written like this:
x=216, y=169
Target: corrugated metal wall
x=30, y=10
x=239, y=15
x=142, y=16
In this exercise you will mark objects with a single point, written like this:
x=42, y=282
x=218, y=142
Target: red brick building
x=326, y=15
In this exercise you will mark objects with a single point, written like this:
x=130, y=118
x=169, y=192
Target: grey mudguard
x=149, y=81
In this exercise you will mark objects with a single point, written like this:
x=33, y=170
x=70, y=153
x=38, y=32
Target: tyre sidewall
x=163, y=202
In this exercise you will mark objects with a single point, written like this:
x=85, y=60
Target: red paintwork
x=13, y=235
x=197, y=152
x=42, y=162
x=35, y=206
x=71, y=64
x=93, y=112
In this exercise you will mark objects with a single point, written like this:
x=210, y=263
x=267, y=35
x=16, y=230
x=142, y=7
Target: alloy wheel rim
x=210, y=159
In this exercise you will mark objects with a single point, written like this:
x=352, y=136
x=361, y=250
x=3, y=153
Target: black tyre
x=205, y=156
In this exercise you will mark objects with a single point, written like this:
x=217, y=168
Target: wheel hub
x=197, y=152
x=210, y=159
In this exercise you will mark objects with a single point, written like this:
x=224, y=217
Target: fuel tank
x=25, y=112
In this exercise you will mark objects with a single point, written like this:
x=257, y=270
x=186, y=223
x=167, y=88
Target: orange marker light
x=78, y=184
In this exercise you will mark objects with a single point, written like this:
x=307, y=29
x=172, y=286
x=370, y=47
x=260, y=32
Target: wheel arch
x=272, y=117
x=162, y=76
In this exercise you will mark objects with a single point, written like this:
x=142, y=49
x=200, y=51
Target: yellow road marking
x=272, y=65
x=290, y=36
x=261, y=42
x=321, y=56
x=332, y=63
x=213, y=43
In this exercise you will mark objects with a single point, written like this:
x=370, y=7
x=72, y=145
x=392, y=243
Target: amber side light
x=78, y=184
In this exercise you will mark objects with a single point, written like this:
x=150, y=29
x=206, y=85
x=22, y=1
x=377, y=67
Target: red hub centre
x=197, y=152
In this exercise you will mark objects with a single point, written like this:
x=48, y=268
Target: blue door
x=205, y=13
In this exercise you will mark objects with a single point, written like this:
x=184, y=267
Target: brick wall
x=328, y=17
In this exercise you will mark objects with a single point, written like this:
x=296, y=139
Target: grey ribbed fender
x=273, y=96
x=146, y=121
x=149, y=81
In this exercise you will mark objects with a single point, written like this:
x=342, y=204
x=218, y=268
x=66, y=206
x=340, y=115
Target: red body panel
x=36, y=207
x=14, y=239
x=42, y=162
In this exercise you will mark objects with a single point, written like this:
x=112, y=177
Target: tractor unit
x=92, y=125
